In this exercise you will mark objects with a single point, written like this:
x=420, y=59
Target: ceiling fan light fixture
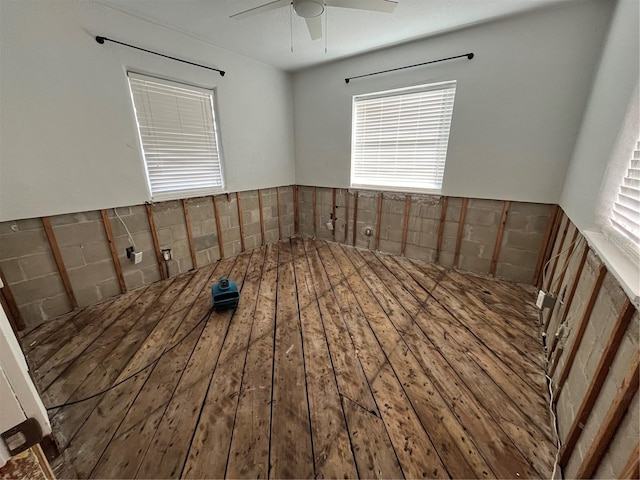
x=308, y=8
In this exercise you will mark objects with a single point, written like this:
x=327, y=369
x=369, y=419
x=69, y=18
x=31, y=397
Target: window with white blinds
x=179, y=138
x=400, y=137
x=625, y=213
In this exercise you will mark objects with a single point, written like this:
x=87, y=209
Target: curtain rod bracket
x=101, y=41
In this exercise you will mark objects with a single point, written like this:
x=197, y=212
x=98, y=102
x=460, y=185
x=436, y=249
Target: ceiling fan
x=311, y=10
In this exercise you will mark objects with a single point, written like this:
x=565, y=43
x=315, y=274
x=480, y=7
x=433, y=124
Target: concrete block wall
x=203, y=229
x=32, y=275
x=171, y=229
x=86, y=256
x=520, y=246
x=30, y=270
x=606, y=310
x=523, y=238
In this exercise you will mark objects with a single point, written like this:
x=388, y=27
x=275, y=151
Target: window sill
x=621, y=267
x=383, y=188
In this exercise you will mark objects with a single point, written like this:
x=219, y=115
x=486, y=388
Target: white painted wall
x=518, y=106
x=610, y=125
x=68, y=140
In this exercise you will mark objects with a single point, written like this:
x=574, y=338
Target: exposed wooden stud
x=218, y=227
x=187, y=222
x=55, y=249
x=240, y=221
x=552, y=243
x=443, y=216
x=315, y=220
x=346, y=216
x=262, y=239
x=553, y=211
x=378, y=221
x=333, y=213
x=355, y=217
x=405, y=222
x=612, y=420
x=581, y=328
x=279, y=216
x=569, y=299
x=463, y=214
x=496, y=248
x=557, y=257
x=296, y=210
x=114, y=251
x=563, y=271
x=632, y=468
x=602, y=370
x=9, y=303
x=156, y=243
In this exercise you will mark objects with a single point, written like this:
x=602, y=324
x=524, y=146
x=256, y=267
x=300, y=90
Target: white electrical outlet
x=330, y=225
x=545, y=300
x=137, y=257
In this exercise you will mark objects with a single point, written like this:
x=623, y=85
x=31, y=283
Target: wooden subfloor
x=337, y=363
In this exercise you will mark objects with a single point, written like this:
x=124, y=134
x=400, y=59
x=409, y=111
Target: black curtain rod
x=101, y=41
x=468, y=55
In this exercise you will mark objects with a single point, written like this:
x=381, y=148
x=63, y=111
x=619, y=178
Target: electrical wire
x=101, y=392
x=555, y=426
x=115, y=210
x=577, y=244
x=546, y=265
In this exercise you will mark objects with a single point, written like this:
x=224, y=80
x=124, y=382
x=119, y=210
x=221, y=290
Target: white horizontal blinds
x=400, y=137
x=178, y=135
x=625, y=215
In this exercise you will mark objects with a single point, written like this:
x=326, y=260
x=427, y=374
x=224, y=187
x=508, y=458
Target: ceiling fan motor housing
x=308, y=8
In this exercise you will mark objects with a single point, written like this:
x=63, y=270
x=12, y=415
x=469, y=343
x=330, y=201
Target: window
x=179, y=138
x=400, y=137
x=625, y=212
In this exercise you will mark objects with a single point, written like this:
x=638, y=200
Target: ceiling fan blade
x=314, y=24
x=261, y=9
x=385, y=6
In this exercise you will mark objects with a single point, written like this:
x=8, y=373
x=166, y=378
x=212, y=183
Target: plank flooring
x=337, y=363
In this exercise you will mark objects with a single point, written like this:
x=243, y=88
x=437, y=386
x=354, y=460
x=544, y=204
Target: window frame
x=395, y=92
x=209, y=91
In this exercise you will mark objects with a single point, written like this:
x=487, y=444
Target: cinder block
x=151, y=275
x=204, y=242
x=96, y=251
x=87, y=294
x=523, y=240
x=73, y=256
x=56, y=306
x=390, y=247
x=109, y=289
x=481, y=216
x=91, y=274
x=37, y=288
x=17, y=244
x=36, y=265
x=12, y=270
x=80, y=233
x=517, y=257
x=133, y=279
x=32, y=313
x=474, y=264
x=184, y=264
x=74, y=218
x=135, y=223
x=480, y=234
x=419, y=253
x=178, y=231
x=514, y=273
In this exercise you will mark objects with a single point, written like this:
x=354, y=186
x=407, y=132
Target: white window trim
x=179, y=194
x=354, y=183
x=612, y=248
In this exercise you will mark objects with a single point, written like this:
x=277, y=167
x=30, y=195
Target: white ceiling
x=268, y=37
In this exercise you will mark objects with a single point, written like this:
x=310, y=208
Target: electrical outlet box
x=137, y=257
x=330, y=224
x=545, y=300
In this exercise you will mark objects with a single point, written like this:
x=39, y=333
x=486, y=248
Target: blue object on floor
x=225, y=294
